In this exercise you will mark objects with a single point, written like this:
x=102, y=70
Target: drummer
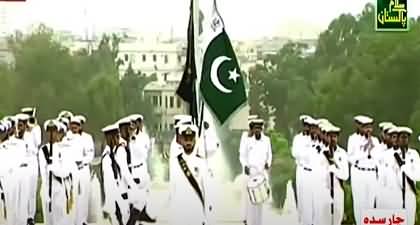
x=256, y=157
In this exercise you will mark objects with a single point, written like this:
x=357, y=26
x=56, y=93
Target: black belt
x=365, y=169
x=137, y=166
x=60, y=179
x=307, y=169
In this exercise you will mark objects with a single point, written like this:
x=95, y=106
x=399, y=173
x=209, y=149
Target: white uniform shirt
x=186, y=206
x=88, y=147
x=360, y=157
x=257, y=153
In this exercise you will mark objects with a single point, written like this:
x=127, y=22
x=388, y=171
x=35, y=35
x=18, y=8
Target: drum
x=258, y=189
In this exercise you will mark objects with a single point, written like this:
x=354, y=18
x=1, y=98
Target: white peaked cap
x=109, y=128
x=81, y=118
x=386, y=127
x=393, y=129
x=312, y=121
x=323, y=121
x=257, y=121
x=183, y=117
x=303, y=117
x=185, y=128
x=333, y=129
x=124, y=120
x=7, y=124
x=324, y=127
x=382, y=125
x=31, y=110
x=75, y=119
x=3, y=128
x=51, y=123
x=252, y=117
x=64, y=120
x=22, y=116
x=363, y=119
x=405, y=130
x=65, y=113
x=135, y=117
x=62, y=127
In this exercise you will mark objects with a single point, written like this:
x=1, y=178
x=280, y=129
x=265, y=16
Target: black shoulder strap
x=127, y=149
x=190, y=178
x=410, y=182
x=46, y=154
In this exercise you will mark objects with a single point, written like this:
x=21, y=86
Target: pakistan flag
x=222, y=85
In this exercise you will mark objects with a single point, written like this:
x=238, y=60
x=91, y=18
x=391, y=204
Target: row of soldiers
x=382, y=171
x=25, y=160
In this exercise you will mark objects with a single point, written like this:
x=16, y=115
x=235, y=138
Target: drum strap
x=190, y=178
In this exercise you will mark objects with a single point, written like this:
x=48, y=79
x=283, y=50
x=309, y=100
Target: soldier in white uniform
x=33, y=138
x=116, y=203
x=136, y=195
x=305, y=157
x=388, y=184
x=246, y=135
x=409, y=162
x=256, y=159
x=363, y=157
x=298, y=141
x=188, y=183
x=334, y=171
x=140, y=148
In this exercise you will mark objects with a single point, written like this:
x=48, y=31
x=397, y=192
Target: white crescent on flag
x=213, y=74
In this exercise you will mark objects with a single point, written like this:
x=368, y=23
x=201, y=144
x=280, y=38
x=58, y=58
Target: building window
x=171, y=102
x=166, y=102
x=160, y=126
x=126, y=57
x=171, y=127
x=179, y=59
x=160, y=100
x=178, y=102
x=155, y=100
x=154, y=58
x=166, y=59
x=144, y=57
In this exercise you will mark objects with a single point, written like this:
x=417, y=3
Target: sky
x=244, y=19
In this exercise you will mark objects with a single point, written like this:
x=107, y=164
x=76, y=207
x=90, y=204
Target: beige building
x=167, y=104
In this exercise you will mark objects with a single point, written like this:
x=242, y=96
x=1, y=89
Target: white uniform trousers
x=83, y=192
x=363, y=185
x=22, y=195
x=323, y=214
x=306, y=195
x=141, y=175
x=298, y=191
x=59, y=201
x=254, y=215
x=33, y=185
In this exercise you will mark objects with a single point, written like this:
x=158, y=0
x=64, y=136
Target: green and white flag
x=221, y=83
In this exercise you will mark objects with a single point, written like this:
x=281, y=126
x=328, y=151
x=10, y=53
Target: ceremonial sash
x=190, y=178
x=410, y=182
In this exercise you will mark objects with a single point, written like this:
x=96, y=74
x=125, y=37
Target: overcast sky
x=244, y=19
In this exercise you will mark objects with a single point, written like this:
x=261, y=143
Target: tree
x=132, y=86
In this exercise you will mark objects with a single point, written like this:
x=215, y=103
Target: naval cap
x=51, y=123
x=333, y=129
x=303, y=117
x=64, y=120
x=362, y=119
x=135, y=117
x=406, y=130
x=75, y=119
x=312, y=121
x=65, y=113
x=29, y=110
x=22, y=117
x=382, y=125
x=182, y=117
x=124, y=121
x=188, y=129
x=110, y=128
x=393, y=129
x=81, y=118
